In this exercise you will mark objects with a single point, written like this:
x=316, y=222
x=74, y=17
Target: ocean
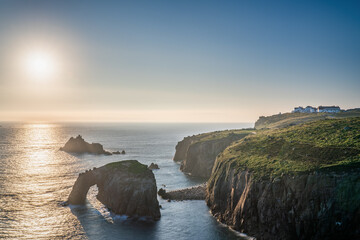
x=35, y=178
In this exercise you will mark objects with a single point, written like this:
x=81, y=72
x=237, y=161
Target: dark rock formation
x=308, y=206
x=153, y=166
x=197, y=156
x=192, y=193
x=118, y=152
x=79, y=145
x=162, y=193
x=182, y=148
x=125, y=187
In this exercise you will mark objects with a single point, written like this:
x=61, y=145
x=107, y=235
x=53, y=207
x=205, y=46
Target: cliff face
x=200, y=156
x=198, y=153
x=125, y=187
x=308, y=206
x=182, y=148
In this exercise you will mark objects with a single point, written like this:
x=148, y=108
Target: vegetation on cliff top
x=331, y=144
x=132, y=166
x=290, y=119
x=220, y=134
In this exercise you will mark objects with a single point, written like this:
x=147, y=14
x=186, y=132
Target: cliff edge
x=197, y=153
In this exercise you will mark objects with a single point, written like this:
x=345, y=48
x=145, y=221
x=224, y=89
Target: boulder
x=162, y=193
x=153, y=166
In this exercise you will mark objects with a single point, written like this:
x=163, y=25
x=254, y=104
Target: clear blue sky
x=181, y=60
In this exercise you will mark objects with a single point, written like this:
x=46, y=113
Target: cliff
x=125, y=187
x=291, y=119
x=302, y=182
x=198, y=153
x=79, y=145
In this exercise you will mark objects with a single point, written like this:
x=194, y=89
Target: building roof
x=325, y=107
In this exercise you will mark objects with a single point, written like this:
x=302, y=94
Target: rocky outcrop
x=79, y=145
x=118, y=152
x=125, y=187
x=197, y=155
x=192, y=193
x=317, y=205
x=153, y=166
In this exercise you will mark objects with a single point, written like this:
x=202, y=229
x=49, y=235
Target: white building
x=298, y=109
x=329, y=109
x=308, y=109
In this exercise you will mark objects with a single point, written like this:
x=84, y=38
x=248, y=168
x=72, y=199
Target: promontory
x=294, y=177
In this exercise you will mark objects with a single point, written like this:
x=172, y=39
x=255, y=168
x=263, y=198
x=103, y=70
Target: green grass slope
x=203, y=137
x=132, y=166
x=324, y=145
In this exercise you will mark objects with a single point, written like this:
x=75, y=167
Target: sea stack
x=79, y=145
x=125, y=187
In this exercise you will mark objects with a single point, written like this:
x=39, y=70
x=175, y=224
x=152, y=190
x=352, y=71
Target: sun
x=40, y=65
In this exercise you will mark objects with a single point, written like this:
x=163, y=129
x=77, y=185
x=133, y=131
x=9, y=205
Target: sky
x=176, y=61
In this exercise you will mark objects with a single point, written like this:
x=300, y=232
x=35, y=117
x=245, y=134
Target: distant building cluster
x=320, y=109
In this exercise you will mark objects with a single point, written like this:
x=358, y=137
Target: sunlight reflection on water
x=35, y=177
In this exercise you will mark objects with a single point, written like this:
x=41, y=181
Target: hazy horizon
x=178, y=61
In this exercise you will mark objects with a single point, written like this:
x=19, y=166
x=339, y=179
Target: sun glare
x=40, y=65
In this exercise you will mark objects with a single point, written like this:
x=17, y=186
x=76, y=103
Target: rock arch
x=81, y=187
x=126, y=187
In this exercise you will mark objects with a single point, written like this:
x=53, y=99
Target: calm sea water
x=35, y=177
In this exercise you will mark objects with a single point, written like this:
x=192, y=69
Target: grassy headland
x=329, y=144
x=203, y=137
x=291, y=119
